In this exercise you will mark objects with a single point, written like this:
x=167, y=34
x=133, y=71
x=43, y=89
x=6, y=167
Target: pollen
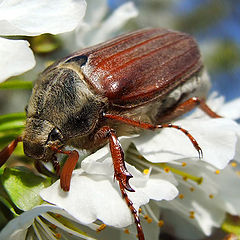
x=233, y=164
x=58, y=215
x=192, y=189
x=101, y=227
x=146, y=217
x=160, y=223
x=58, y=235
x=181, y=196
x=217, y=171
x=192, y=214
x=211, y=196
x=149, y=220
x=146, y=171
x=184, y=164
x=167, y=170
x=53, y=226
x=140, y=210
x=185, y=178
x=126, y=231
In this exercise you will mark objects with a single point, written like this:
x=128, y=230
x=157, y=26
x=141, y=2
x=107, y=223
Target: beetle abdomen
x=139, y=67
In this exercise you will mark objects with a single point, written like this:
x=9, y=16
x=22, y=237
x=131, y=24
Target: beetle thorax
x=62, y=98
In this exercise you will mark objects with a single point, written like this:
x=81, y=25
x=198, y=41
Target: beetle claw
x=123, y=179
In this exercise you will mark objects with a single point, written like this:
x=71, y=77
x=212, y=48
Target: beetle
x=140, y=80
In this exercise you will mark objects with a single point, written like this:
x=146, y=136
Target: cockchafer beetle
x=133, y=82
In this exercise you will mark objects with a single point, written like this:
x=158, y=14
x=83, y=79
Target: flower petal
x=91, y=33
x=17, y=228
x=94, y=197
x=216, y=137
x=101, y=161
x=16, y=58
x=28, y=17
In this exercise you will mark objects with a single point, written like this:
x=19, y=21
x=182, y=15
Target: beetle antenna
x=8, y=150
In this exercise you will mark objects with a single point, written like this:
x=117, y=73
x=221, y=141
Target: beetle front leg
x=70, y=164
x=120, y=171
x=7, y=151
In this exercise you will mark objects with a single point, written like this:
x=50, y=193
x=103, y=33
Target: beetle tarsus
x=133, y=211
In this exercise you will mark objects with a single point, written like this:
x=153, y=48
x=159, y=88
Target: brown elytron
x=140, y=80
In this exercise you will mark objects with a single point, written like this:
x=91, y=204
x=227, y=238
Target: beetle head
x=38, y=137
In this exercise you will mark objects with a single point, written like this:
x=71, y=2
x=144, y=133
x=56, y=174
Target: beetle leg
x=7, y=151
x=41, y=168
x=66, y=173
x=154, y=127
x=187, y=106
x=56, y=165
x=120, y=171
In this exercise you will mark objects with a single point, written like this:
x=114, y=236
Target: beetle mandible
x=133, y=82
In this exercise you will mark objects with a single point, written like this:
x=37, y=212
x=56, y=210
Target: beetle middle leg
x=120, y=171
x=150, y=126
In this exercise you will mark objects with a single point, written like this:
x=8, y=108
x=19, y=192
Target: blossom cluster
x=174, y=188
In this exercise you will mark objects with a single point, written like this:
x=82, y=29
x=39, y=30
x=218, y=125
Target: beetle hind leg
x=185, y=107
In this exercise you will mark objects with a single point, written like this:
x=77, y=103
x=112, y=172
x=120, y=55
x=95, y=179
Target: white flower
x=95, y=195
x=99, y=26
x=205, y=193
x=31, y=18
x=96, y=29
x=43, y=222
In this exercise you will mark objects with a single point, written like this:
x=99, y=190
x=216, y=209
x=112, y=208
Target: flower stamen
x=192, y=214
x=140, y=161
x=160, y=223
x=181, y=196
x=101, y=227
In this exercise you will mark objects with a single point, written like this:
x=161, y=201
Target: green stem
x=16, y=84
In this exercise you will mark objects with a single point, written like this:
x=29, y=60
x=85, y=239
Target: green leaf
x=23, y=187
x=232, y=225
x=12, y=125
x=16, y=84
x=12, y=117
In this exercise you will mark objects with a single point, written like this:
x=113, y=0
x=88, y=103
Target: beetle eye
x=54, y=135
